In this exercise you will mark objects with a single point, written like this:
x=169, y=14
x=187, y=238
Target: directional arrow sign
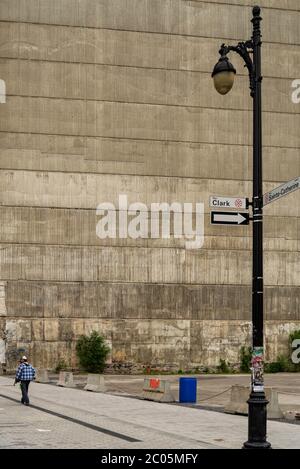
x=229, y=218
x=228, y=202
x=281, y=191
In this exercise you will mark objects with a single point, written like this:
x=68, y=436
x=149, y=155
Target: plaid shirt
x=25, y=372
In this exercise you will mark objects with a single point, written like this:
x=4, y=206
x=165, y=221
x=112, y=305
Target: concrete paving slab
x=66, y=418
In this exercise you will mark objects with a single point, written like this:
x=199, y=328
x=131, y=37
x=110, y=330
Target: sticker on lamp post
x=257, y=369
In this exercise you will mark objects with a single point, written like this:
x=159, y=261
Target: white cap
x=24, y=358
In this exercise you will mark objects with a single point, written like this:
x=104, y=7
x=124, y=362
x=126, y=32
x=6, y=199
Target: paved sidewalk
x=73, y=418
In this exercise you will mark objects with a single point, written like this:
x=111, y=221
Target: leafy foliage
x=281, y=365
x=92, y=352
x=245, y=356
x=224, y=367
x=294, y=335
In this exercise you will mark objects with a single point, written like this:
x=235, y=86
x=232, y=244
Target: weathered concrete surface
x=136, y=85
x=105, y=98
x=144, y=121
x=83, y=300
x=238, y=401
x=95, y=383
x=75, y=190
x=77, y=226
x=129, y=48
x=172, y=17
x=146, y=341
x=160, y=265
x=285, y=4
x=42, y=376
x=142, y=157
x=158, y=390
x=65, y=379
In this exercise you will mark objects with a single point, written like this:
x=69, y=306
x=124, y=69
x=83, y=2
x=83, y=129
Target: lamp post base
x=257, y=422
x=257, y=445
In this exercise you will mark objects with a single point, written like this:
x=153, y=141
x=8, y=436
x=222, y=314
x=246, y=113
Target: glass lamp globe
x=223, y=75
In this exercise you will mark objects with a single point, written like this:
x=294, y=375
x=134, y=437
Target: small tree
x=245, y=356
x=92, y=352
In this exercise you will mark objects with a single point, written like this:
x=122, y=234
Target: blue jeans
x=24, y=389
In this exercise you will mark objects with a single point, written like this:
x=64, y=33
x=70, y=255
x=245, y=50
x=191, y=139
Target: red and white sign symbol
x=154, y=383
x=238, y=203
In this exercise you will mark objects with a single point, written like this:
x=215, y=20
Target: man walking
x=25, y=373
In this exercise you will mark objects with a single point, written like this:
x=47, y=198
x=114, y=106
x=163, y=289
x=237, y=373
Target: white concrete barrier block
x=66, y=379
x=42, y=376
x=290, y=415
x=156, y=389
x=95, y=383
x=240, y=395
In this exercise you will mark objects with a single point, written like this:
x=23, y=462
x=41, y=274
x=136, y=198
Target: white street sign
x=227, y=202
x=281, y=191
x=229, y=218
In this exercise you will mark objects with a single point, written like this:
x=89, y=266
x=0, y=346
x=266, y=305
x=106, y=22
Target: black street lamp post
x=223, y=75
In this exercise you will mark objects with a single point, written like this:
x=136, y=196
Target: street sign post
x=281, y=191
x=228, y=202
x=229, y=218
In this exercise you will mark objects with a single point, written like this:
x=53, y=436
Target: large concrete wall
x=115, y=96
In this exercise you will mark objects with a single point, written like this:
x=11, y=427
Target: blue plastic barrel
x=188, y=390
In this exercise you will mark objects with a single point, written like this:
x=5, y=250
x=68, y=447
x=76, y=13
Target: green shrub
x=245, y=357
x=223, y=367
x=294, y=335
x=273, y=367
x=92, y=352
x=284, y=363
x=281, y=365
